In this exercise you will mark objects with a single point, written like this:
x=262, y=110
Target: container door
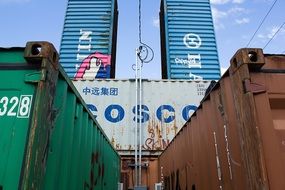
x=16, y=99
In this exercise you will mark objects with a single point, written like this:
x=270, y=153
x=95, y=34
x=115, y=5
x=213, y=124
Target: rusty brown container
x=236, y=138
x=149, y=172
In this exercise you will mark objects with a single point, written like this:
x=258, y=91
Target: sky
x=235, y=22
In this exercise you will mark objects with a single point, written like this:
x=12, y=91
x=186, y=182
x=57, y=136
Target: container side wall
x=82, y=144
x=57, y=134
x=262, y=77
x=48, y=135
x=149, y=172
x=88, y=45
x=189, y=49
x=14, y=127
x=234, y=140
x=76, y=144
x=113, y=104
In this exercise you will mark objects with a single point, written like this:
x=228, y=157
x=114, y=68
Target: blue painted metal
x=88, y=45
x=188, y=43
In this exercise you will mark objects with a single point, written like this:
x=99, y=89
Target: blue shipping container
x=188, y=43
x=88, y=45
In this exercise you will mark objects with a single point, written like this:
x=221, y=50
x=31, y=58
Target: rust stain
x=175, y=128
x=94, y=158
x=122, y=130
x=91, y=178
x=167, y=130
x=99, y=171
x=113, y=141
x=95, y=177
x=155, y=140
x=103, y=170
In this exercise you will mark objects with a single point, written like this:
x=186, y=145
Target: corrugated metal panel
x=188, y=41
x=149, y=172
x=166, y=107
x=236, y=138
x=48, y=137
x=88, y=45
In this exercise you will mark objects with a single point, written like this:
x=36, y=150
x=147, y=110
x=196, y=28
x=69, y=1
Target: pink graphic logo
x=96, y=65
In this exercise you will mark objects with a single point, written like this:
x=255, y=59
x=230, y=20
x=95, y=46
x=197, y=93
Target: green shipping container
x=48, y=138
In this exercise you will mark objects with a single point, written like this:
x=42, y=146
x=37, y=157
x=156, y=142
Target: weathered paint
x=48, y=137
x=235, y=139
x=149, y=172
x=166, y=106
x=188, y=41
x=88, y=45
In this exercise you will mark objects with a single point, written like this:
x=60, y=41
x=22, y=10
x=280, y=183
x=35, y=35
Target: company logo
x=91, y=65
x=96, y=65
x=192, y=41
x=115, y=113
x=193, y=61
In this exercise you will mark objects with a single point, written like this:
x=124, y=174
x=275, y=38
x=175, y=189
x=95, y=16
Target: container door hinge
x=34, y=77
x=252, y=87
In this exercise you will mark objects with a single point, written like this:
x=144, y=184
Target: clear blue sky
x=235, y=22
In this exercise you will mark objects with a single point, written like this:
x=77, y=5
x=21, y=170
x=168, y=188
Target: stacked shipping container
x=235, y=140
x=88, y=46
x=164, y=109
x=48, y=137
x=166, y=106
x=188, y=43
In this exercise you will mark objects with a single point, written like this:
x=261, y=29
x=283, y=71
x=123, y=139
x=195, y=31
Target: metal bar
x=136, y=123
x=140, y=124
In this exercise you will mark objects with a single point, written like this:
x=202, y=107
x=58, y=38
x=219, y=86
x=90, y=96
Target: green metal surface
x=12, y=55
x=13, y=130
x=48, y=137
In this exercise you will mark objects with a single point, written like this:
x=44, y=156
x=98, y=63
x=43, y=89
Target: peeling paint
x=161, y=117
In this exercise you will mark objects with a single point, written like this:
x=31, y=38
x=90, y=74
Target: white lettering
x=85, y=35
x=25, y=106
x=9, y=106
x=193, y=60
x=14, y=101
x=81, y=57
x=195, y=77
x=84, y=47
x=192, y=41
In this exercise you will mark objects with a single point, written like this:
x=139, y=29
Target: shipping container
x=48, y=137
x=188, y=43
x=149, y=172
x=235, y=139
x=166, y=106
x=89, y=39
